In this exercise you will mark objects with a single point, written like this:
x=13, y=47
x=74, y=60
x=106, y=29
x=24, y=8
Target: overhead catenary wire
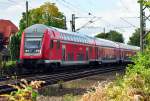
x=76, y=7
x=128, y=22
x=89, y=22
x=126, y=8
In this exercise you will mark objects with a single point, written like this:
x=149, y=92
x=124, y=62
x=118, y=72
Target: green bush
x=10, y=64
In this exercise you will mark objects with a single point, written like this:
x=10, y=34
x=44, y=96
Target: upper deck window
x=71, y=37
x=74, y=38
x=79, y=40
x=60, y=35
x=36, y=30
x=67, y=36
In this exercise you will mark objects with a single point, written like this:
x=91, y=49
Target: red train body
x=51, y=46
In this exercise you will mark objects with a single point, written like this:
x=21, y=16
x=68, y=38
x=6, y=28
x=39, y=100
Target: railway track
x=64, y=76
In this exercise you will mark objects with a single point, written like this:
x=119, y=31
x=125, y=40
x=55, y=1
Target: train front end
x=31, y=50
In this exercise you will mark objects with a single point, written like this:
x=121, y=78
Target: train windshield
x=32, y=43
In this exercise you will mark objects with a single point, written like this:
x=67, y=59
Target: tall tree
x=135, y=38
x=47, y=14
x=111, y=35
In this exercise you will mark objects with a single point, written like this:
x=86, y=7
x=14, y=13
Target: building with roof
x=7, y=28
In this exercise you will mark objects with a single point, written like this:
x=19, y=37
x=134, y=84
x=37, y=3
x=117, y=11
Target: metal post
x=65, y=23
x=104, y=30
x=73, y=22
x=27, y=22
x=141, y=26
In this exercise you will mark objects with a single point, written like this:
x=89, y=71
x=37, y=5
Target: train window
x=64, y=37
x=51, y=44
x=78, y=39
x=81, y=39
x=84, y=40
x=71, y=37
x=90, y=49
x=68, y=37
x=60, y=35
x=80, y=56
x=58, y=44
x=74, y=39
x=70, y=57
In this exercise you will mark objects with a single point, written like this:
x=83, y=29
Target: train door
x=87, y=53
x=63, y=53
x=96, y=52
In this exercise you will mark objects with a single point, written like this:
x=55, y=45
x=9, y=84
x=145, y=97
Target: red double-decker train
x=48, y=47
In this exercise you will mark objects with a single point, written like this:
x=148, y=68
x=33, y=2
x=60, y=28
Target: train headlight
x=37, y=51
x=27, y=50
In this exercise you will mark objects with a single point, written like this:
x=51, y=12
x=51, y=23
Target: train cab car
x=32, y=43
x=42, y=45
x=108, y=51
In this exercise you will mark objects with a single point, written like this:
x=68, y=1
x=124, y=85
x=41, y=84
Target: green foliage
x=145, y=2
x=14, y=46
x=136, y=80
x=112, y=35
x=135, y=38
x=10, y=64
x=69, y=97
x=25, y=92
x=135, y=84
x=47, y=14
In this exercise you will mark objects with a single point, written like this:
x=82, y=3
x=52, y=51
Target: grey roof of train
x=125, y=46
x=107, y=43
x=39, y=27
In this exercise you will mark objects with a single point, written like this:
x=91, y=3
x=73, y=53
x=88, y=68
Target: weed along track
x=57, y=77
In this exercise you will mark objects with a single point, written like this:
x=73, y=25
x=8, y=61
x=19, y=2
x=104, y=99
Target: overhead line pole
x=65, y=23
x=27, y=15
x=143, y=31
x=141, y=27
x=73, y=23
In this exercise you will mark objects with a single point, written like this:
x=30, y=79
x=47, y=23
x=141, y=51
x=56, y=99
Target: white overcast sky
x=120, y=15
